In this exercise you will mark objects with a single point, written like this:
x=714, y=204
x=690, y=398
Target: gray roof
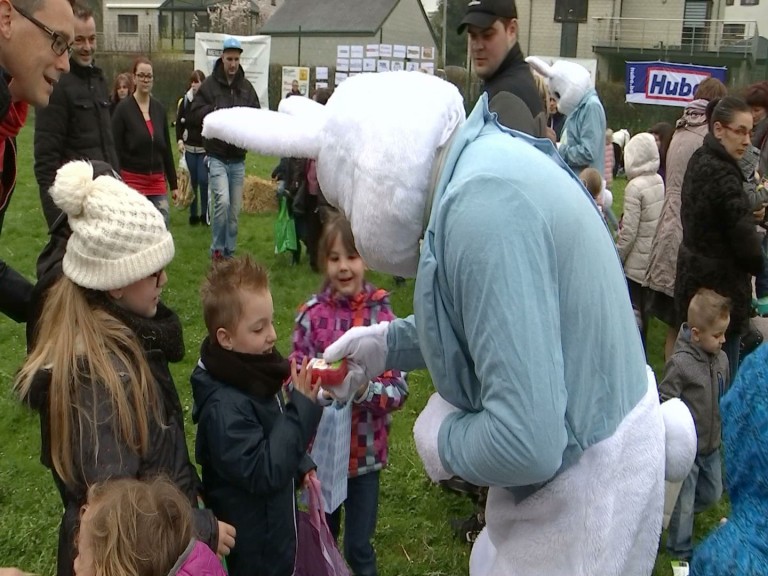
x=330, y=16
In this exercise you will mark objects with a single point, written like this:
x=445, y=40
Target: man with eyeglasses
x=35, y=37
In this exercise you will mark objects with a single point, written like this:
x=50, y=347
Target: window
x=750, y=2
x=733, y=32
x=729, y=2
x=571, y=10
x=127, y=24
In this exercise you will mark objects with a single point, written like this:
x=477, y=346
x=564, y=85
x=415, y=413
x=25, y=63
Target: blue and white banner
x=666, y=83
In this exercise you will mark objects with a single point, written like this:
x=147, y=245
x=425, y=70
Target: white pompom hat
x=118, y=236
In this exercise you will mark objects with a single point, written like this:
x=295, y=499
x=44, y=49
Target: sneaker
x=217, y=255
x=194, y=220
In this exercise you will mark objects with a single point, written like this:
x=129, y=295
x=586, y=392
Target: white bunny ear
x=305, y=109
x=264, y=131
x=540, y=66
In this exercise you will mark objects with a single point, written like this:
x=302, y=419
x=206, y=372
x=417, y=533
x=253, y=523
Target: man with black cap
x=498, y=60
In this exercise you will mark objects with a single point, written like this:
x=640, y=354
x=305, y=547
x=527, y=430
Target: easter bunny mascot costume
x=521, y=316
x=583, y=145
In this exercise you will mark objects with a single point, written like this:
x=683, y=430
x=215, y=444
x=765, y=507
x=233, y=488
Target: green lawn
x=413, y=536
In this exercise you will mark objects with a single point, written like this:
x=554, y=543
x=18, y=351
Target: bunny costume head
x=567, y=82
x=375, y=143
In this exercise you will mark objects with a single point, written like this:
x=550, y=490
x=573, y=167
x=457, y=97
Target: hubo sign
x=665, y=83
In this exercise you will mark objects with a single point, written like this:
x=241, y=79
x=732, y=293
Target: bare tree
x=240, y=17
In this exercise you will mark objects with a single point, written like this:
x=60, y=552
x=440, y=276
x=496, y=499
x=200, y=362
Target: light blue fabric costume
x=521, y=315
x=741, y=545
x=538, y=363
x=584, y=144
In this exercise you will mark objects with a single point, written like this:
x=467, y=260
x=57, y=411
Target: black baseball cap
x=483, y=13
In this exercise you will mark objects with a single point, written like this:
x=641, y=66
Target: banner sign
x=254, y=59
x=666, y=83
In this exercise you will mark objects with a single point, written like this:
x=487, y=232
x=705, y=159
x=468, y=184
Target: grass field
x=413, y=536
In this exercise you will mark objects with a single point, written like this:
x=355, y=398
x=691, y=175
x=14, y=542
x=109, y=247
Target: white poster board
x=254, y=59
x=298, y=73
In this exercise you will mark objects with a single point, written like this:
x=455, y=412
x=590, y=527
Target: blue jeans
x=225, y=183
x=198, y=177
x=360, y=510
x=701, y=489
x=161, y=203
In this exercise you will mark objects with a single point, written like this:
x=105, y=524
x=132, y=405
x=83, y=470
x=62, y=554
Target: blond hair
x=706, y=307
x=592, y=181
x=79, y=343
x=138, y=528
x=542, y=89
x=220, y=292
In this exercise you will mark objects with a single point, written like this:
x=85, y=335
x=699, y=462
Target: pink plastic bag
x=316, y=550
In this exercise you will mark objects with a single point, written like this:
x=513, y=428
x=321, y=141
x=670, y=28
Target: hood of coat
x=641, y=156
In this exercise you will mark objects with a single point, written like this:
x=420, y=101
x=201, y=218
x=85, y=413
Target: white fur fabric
x=375, y=142
x=600, y=517
x=425, y=432
x=567, y=81
x=680, y=434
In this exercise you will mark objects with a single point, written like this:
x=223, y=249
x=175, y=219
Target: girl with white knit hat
x=98, y=373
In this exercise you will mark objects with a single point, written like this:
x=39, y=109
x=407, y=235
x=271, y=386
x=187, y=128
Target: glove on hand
x=365, y=348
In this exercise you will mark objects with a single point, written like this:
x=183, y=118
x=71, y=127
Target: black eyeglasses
x=60, y=44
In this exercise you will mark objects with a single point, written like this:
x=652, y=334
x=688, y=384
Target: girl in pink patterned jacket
x=347, y=300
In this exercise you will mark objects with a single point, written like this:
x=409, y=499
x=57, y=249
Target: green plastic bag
x=285, y=229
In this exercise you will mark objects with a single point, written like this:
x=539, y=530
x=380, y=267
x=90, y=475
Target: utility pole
x=445, y=32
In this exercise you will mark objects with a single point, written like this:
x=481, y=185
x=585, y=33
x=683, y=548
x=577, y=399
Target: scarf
x=162, y=332
x=258, y=375
x=695, y=114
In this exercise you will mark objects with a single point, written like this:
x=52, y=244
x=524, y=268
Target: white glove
x=365, y=348
x=425, y=434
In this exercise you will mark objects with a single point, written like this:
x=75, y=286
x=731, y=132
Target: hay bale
x=259, y=195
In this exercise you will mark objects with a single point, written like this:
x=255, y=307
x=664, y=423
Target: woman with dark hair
x=689, y=134
x=121, y=89
x=662, y=132
x=143, y=141
x=189, y=139
x=720, y=248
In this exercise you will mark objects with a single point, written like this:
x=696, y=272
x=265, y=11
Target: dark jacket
x=253, y=451
x=515, y=76
x=75, y=125
x=191, y=133
x=14, y=288
x=215, y=93
x=699, y=379
x=137, y=151
x=167, y=446
x=721, y=248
